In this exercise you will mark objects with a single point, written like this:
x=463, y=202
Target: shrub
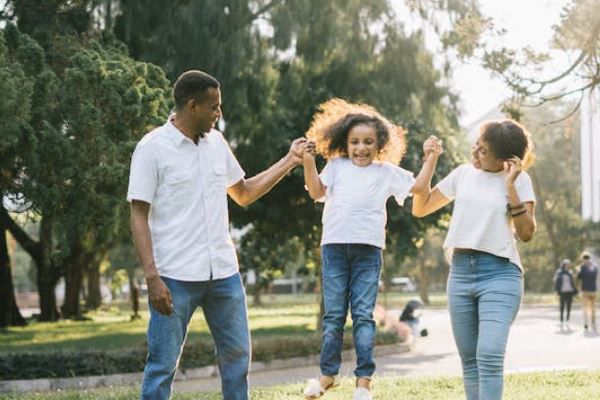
x=197, y=353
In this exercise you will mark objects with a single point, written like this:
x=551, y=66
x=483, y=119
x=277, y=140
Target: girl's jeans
x=484, y=296
x=350, y=277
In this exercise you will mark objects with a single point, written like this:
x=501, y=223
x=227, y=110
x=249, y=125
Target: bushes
x=196, y=354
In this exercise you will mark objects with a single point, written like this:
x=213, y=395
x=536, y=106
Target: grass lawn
x=535, y=386
x=111, y=329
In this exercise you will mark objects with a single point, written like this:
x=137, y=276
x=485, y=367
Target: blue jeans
x=223, y=302
x=484, y=296
x=350, y=277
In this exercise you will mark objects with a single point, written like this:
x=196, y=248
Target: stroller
x=410, y=318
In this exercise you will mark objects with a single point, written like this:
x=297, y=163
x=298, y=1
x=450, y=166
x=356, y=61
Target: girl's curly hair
x=334, y=119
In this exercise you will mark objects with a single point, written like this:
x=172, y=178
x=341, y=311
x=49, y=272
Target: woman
x=564, y=284
x=494, y=199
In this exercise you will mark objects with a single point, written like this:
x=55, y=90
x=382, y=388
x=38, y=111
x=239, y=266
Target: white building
x=590, y=157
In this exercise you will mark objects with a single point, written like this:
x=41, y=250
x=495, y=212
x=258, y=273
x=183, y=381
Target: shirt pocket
x=178, y=186
x=219, y=169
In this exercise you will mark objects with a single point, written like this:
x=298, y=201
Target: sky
x=528, y=22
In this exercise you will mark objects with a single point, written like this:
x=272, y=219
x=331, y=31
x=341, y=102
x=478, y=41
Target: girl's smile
x=362, y=145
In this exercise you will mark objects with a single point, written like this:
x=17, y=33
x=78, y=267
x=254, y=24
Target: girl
x=493, y=199
x=564, y=284
x=363, y=150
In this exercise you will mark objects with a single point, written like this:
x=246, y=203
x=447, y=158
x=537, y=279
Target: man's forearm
x=263, y=182
x=143, y=243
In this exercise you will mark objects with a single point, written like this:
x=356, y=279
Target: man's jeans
x=350, y=276
x=223, y=302
x=484, y=296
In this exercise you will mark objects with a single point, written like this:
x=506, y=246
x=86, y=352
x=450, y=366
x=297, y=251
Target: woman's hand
x=513, y=168
x=432, y=147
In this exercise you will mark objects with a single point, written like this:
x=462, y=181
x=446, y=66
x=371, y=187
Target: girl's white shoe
x=314, y=390
x=361, y=393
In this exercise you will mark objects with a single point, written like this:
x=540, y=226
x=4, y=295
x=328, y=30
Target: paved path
x=536, y=344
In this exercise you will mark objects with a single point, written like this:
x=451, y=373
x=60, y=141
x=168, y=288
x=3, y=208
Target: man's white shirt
x=186, y=186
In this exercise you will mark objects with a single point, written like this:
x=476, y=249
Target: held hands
x=297, y=150
x=432, y=147
x=159, y=295
x=310, y=151
x=513, y=168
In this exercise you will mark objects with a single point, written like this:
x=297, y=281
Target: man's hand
x=297, y=150
x=159, y=295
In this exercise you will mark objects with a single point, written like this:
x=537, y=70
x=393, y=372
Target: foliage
x=577, y=35
x=91, y=104
x=556, y=179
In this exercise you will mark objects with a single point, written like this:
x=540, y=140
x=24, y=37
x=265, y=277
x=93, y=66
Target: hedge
x=196, y=354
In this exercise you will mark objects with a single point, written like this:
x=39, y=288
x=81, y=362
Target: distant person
x=181, y=174
x=493, y=200
x=564, y=285
x=409, y=316
x=587, y=278
x=362, y=150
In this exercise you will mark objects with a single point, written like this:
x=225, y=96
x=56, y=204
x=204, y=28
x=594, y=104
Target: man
x=587, y=276
x=180, y=176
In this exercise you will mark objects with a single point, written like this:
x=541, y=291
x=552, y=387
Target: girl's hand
x=432, y=147
x=310, y=151
x=513, y=167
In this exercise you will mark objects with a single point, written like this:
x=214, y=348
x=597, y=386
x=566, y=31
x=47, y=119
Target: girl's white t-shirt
x=356, y=197
x=480, y=220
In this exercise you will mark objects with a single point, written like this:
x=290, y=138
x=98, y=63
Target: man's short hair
x=192, y=85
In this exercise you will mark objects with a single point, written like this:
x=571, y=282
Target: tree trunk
x=547, y=219
x=256, y=292
x=47, y=273
x=134, y=296
x=424, y=283
x=10, y=314
x=40, y=252
x=94, y=296
x=73, y=274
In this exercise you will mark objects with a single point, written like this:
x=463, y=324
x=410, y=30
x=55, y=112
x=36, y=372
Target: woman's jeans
x=223, y=302
x=484, y=295
x=350, y=277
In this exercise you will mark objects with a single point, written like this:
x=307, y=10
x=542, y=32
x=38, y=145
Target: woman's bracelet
x=518, y=213
x=516, y=207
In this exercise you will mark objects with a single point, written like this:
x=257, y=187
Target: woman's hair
x=507, y=139
x=565, y=263
x=335, y=118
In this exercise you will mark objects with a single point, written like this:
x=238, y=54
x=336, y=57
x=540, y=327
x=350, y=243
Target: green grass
x=535, y=386
x=111, y=329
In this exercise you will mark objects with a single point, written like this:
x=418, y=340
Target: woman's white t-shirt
x=480, y=220
x=355, y=200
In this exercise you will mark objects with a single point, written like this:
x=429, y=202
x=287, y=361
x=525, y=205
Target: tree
x=556, y=179
x=76, y=164
x=577, y=35
x=15, y=104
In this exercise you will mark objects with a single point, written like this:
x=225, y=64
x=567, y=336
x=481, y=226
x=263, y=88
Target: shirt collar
x=174, y=134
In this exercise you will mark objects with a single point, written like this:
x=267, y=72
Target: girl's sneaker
x=314, y=390
x=361, y=393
